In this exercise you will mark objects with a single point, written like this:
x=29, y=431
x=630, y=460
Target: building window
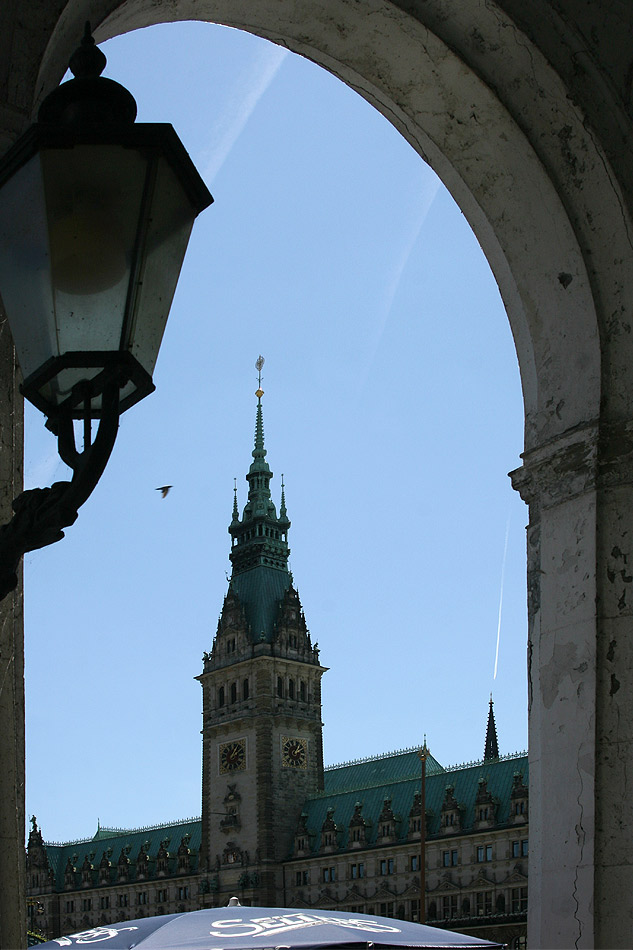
x=451, y=858
x=329, y=875
x=221, y=696
x=519, y=808
x=183, y=892
x=280, y=687
x=519, y=900
x=141, y=898
x=302, y=691
x=291, y=689
x=524, y=848
x=302, y=877
x=415, y=862
x=386, y=866
x=233, y=692
x=449, y=906
x=70, y=907
x=245, y=689
x=105, y=903
x=483, y=903
x=520, y=848
x=483, y=814
x=415, y=910
x=386, y=909
x=484, y=853
x=358, y=870
x=161, y=895
x=122, y=900
x=86, y=904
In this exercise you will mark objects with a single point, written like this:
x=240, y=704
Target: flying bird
x=165, y=490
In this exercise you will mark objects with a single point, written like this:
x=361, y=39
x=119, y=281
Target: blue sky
x=392, y=406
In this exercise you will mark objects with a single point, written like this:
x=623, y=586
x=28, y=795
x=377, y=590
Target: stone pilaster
x=580, y=672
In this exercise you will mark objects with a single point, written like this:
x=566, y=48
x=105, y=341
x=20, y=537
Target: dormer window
x=485, y=806
x=386, y=821
x=329, y=839
x=450, y=820
x=518, y=800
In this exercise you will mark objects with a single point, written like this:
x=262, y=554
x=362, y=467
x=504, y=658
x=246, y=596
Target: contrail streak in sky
x=240, y=107
x=503, y=571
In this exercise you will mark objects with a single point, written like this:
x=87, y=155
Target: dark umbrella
x=247, y=928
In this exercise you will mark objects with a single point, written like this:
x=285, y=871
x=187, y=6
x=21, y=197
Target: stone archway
x=536, y=161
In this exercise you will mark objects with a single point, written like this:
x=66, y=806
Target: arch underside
x=447, y=105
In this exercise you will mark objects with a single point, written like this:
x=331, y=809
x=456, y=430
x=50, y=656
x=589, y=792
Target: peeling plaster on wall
x=556, y=671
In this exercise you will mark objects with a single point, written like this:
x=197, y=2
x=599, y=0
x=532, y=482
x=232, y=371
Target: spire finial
x=259, y=362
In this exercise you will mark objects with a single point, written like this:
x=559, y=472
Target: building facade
x=279, y=829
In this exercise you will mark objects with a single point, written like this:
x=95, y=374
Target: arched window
x=291, y=689
x=280, y=686
x=302, y=691
x=233, y=692
x=245, y=689
x=221, y=696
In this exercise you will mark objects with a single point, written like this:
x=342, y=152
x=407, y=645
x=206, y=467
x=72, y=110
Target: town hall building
x=277, y=828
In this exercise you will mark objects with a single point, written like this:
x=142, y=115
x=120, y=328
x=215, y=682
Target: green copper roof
x=259, y=553
x=398, y=778
x=375, y=771
x=111, y=841
x=260, y=591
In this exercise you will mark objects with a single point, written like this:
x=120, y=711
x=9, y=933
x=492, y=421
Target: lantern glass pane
x=25, y=267
x=170, y=225
x=93, y=197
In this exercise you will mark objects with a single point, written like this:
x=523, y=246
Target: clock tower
x=261, y=688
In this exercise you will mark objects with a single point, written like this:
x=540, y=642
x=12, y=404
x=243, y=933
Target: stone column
x=580, y=678
x=12, y=823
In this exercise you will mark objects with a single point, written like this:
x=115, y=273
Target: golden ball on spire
x=259, y=393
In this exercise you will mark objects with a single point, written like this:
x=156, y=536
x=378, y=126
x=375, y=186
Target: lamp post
x=423, y=753
x=96, y=211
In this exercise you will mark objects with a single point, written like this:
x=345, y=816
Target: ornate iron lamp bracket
x=41, y=514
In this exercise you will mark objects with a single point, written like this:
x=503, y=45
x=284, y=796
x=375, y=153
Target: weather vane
x=259, y=362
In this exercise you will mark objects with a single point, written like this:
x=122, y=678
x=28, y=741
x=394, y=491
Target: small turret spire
x=236, y=512
x=491, y=750
x=283, y=514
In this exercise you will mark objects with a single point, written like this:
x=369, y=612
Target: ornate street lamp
x=95, y=216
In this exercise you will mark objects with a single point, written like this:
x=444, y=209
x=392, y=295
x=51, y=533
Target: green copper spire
x=259, y=552
x=491, y=749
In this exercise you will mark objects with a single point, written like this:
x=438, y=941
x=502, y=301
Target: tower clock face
x=294, y=753
x=232, y=756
